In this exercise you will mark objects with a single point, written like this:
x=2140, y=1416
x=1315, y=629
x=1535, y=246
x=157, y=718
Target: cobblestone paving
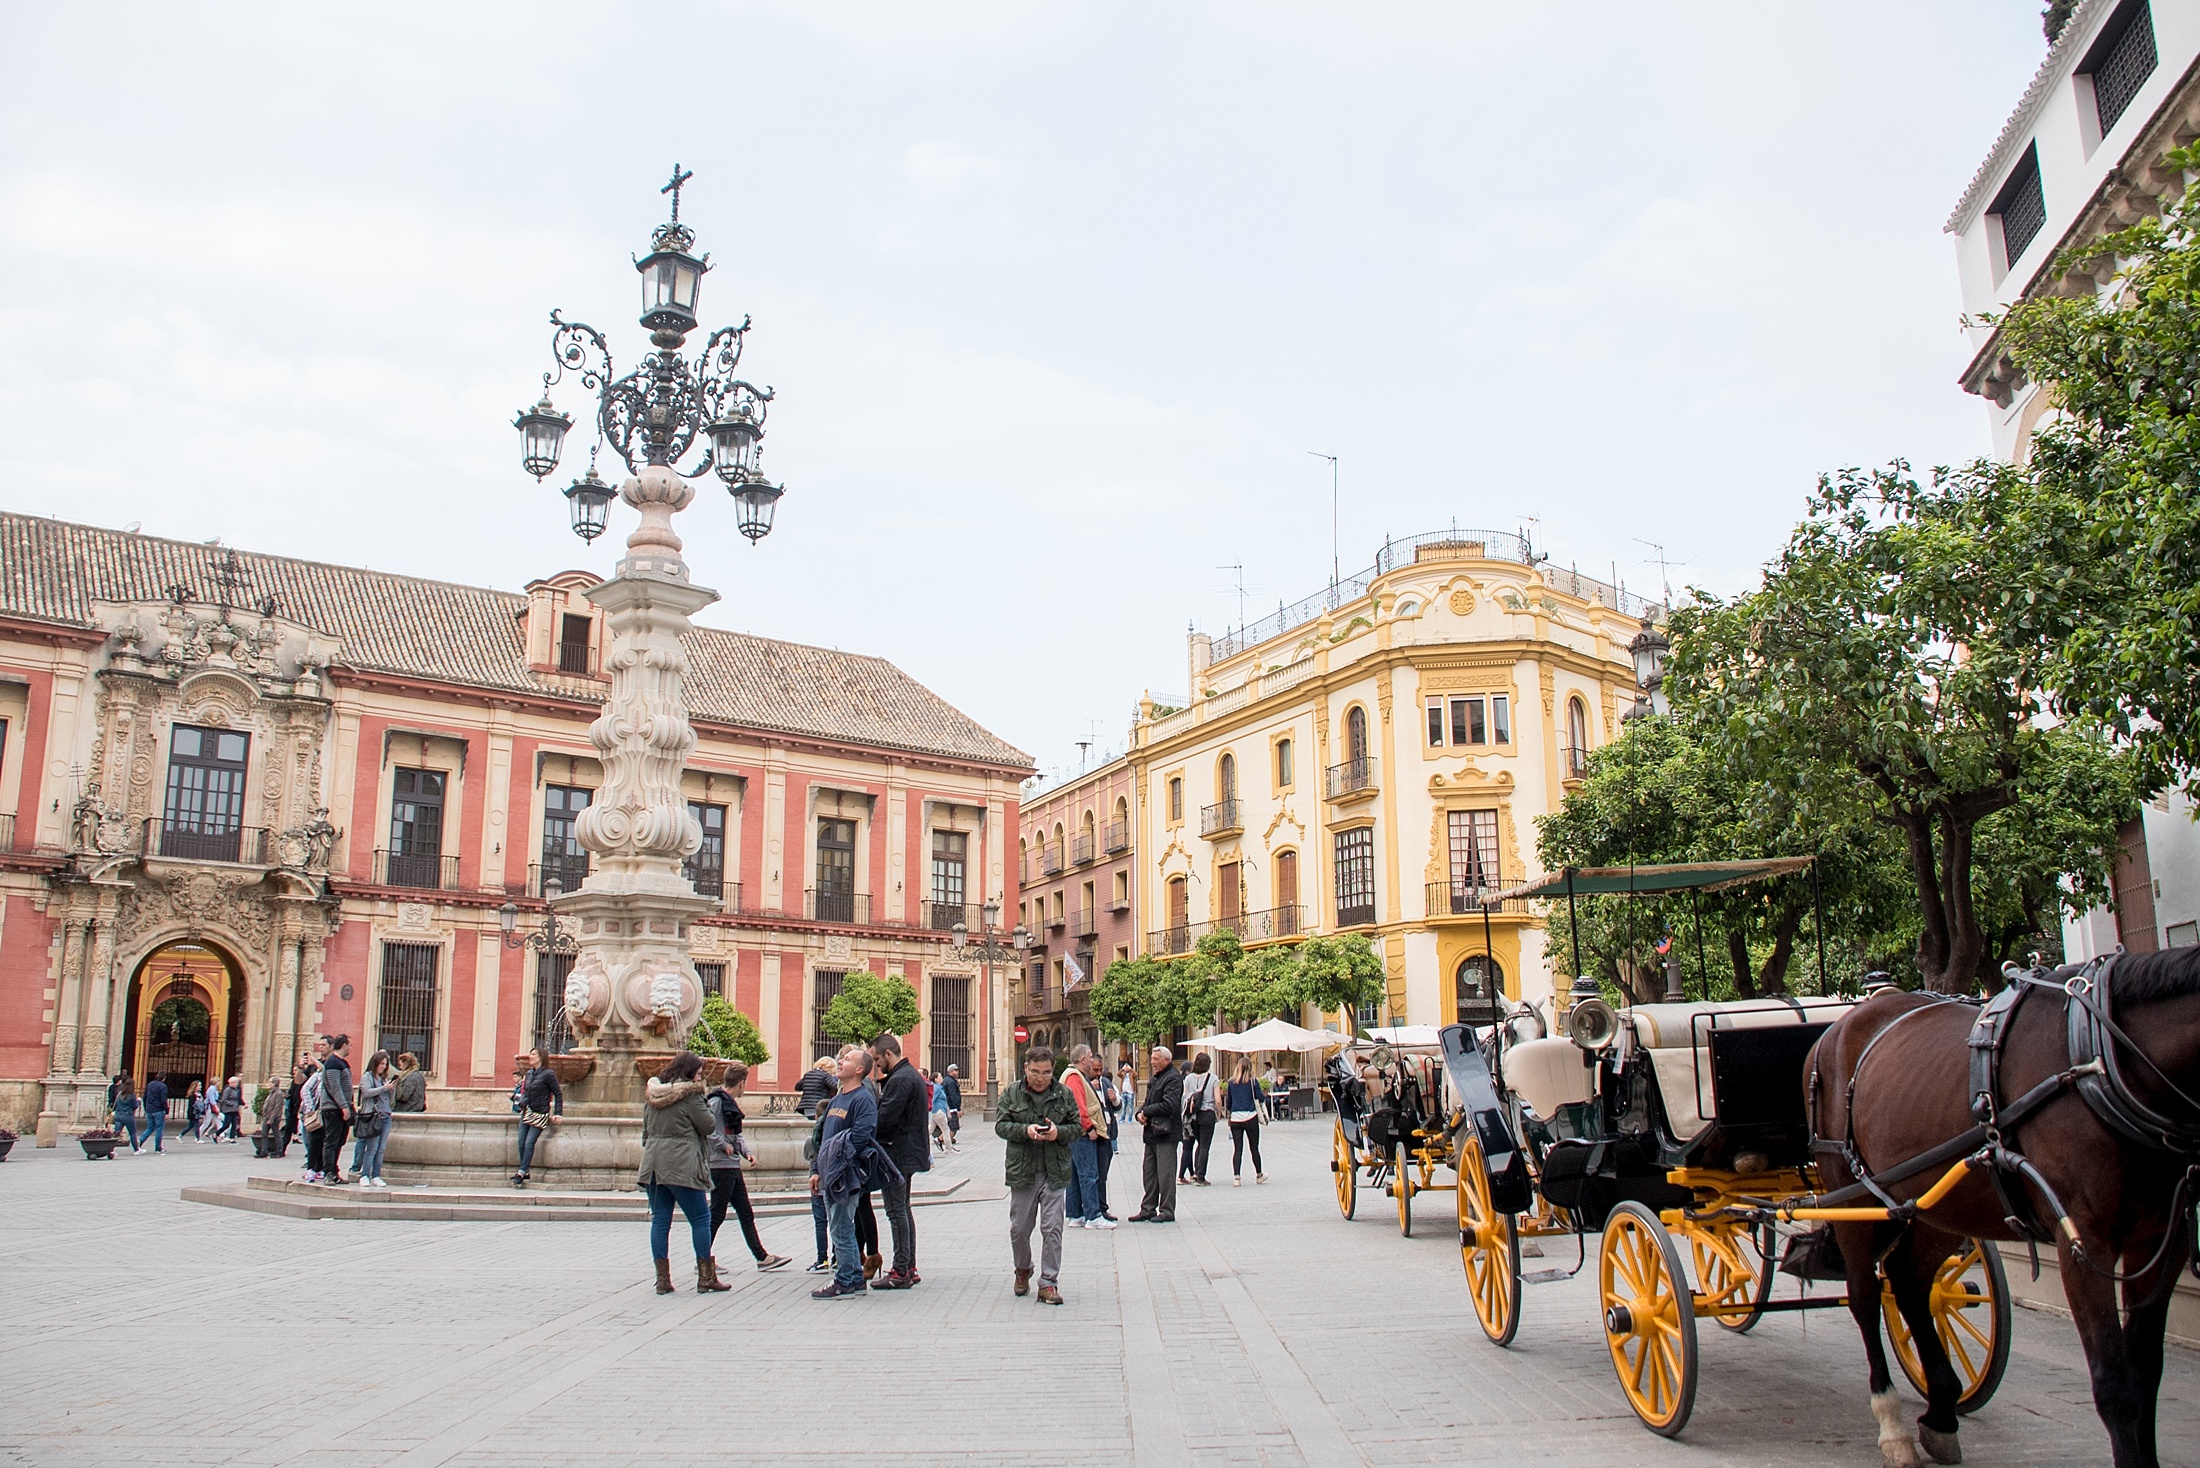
x=139, y=1330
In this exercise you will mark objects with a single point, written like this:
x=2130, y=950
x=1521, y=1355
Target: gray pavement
x=139, y=1329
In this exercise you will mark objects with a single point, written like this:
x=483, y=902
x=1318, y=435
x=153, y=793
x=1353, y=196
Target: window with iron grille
x=824, y=989
x=203, y=815
x=553, y=1032
x=950, y=856
x=950, y=1031
x=1037, y=983
x=407, y=1019
x=1473, y=839
x=706, y=870
x=2021, y=207
x=416, y=828
x=713, y=979
x=2122, y=58
x=1355, y=868
x=563, y=856
x=836, y=871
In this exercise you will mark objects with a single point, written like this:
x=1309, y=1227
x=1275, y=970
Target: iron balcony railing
x=1351, y=777
x=707, y=880
x=1058, y=921
x=1117, y=837
x=1287, y=921
x=1222, y=816
x=1120, y=902
x=831, y=906
x=204, y=840
x=941, y=917
x=1577, y=761
x=1084, y=922
x=1450, y=899
x=569, y=873
x=1050, y=857
x=573, y=657
x=7, y=833
x=1357, y=915
x=1164, y=942
x=1081, y=849
x=429, y=872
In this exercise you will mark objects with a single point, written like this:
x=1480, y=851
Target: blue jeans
x=1083, y=1201
x=156, y=1127
x=847, y=1253
x=817, y=1222
x=126, y=1123
x=528, y=1137
x=1103, y=1159
x=366, y=1152
x=694, y=1205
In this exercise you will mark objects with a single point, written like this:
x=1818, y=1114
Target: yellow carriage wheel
x=1649, y=1318
x=1733, y=1270
x=1401, y=1187
x=1489, y=1247
x=1971, y=1313
x=1346, y=1165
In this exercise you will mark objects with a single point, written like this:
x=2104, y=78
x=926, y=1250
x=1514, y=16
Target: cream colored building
x=1373, y=760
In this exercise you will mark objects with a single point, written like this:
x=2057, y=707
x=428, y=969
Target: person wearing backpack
x=1199, y=1121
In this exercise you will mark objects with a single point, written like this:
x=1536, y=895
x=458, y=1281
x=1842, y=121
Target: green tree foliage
x=868, y=1006
x=727, y=1033
x=1130, y=1001
x=1222, y=983
x=2112, y=485
x=1884, y=669
x=1336, y=972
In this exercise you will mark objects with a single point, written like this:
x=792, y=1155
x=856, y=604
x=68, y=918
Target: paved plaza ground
x=136, y=1329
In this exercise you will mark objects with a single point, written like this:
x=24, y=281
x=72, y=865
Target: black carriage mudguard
x=1589, y=1179
x=1476, y=1089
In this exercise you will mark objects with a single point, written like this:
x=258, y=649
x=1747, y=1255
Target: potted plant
x=7, y=1141
x=98, y=1144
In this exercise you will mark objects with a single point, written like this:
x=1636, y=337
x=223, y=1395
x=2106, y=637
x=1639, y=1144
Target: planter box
x=98, y=1151
x=7, y=1144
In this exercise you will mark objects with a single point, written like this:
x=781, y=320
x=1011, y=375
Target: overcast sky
x=1056, y=297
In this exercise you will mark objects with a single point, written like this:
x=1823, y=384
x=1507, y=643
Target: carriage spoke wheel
x=1401, y=1188
x=1971, y=1314
x=1733, y=1271
x=1649, y=1318
x=1345, y=1163
x=1489, y=1247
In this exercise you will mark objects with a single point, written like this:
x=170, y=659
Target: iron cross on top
x=673, y=188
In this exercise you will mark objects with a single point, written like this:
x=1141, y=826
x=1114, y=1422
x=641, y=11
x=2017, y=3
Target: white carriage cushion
x=1688, y=1107
x=1547, y=1074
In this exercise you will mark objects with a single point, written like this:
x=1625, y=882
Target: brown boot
x=1023, y=1281
x=872, y=1264
x=706, y=1276
x=664, y=1276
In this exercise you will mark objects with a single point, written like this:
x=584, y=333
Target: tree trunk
x=1774, y=980
x=1933, y=939
x=1737, y=951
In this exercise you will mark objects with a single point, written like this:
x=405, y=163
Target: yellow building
x=1373, y=759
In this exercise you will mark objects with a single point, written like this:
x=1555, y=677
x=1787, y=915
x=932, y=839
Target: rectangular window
x=1176, y=800
x=564, y=859
x=836, y=871
x=2181, y=935
x=824, y=989
x=2122, y=58
x=2021, y=207
x=553, y=1032
x=1436, y=725
x=202, y=818
x=713, y=979
x=706, y=870
x=1038, y=983
x=1122, y=890
x=416, y=829
x=1226, y=889
x=1355, y=868
x=573, y=645
x=950, y=875
x=950, y=1031
x=407, y=1020
x=1287, y=885
x=1473, y=842
x=1501, y=722
x=1467, y=722
x=1283, y=762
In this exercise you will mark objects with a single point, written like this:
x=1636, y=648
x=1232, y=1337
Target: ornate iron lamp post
x=549, y=938
x=1648, y=650
x=986, y=952
x=633, y=988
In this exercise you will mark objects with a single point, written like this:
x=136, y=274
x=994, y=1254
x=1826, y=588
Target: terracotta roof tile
x=51, y=570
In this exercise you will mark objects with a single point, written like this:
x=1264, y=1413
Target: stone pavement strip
x=139, y=1329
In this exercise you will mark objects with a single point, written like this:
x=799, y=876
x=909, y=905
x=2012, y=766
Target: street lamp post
x=549, y=938
x=986, y=953
x=1648, y=650
x=633, y=987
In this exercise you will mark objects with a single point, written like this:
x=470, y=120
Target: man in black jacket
x=1162, y=1112
x=903, y=1107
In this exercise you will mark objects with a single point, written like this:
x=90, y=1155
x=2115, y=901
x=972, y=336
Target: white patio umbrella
x=1272, y=1034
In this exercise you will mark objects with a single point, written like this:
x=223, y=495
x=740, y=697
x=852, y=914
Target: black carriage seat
x=1730, y=1076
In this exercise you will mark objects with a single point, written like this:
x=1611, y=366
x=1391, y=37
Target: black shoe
x=1141, y=1218
x=838, y=1291
x=1162, y=1218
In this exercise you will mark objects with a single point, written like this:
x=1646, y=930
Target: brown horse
x=2127, y=1201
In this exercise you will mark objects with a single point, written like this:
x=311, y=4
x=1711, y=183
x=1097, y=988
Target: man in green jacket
x=1038, y=1120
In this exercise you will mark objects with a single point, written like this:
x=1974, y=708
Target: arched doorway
x=185, y=1017
x=1479, y=989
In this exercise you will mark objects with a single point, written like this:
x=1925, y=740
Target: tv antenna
x=1237, y=570
x=1334, y=575
x=1665, y=570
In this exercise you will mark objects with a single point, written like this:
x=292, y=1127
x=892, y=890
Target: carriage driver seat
x=1547, y=1074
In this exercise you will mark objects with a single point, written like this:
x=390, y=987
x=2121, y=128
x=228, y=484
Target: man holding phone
x=1038, y=1120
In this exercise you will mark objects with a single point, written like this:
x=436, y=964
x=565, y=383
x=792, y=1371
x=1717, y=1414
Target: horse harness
x=2094, y=1073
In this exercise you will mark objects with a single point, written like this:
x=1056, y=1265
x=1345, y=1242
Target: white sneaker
x=1236, y=1181
x=1098, y=1223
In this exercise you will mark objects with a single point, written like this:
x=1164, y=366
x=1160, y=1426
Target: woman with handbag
x=371, y=1123
x=729, y=1152
x=540, y=1101
x=1241, y=1102
x=1199, y=1120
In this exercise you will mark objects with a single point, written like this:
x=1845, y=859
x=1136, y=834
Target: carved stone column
x=69, y=1000
x=100, y=985
x=633, y=987
x=285, y=1018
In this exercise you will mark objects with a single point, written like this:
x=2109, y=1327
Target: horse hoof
x=1941, y=1447
x=1897, y=1453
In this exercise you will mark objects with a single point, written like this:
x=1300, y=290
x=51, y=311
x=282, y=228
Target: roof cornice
x=2060, y=57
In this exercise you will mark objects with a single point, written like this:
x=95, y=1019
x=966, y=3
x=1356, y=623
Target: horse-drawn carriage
x=1677, y=1132
x=1395, y=1123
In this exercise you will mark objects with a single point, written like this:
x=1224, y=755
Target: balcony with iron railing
x=1352, y=778
x=1357, y=915
x=1168, y=942
x=1084, y=922
x=1223, y=818
x=569, y=872
x=1082, y=848
x=1576, y=759
x=707, y=878
x=941, y=917
x=573, y=658
x=7, y=833
x=424, y=871
x=1050, y=858
x=834, y=906
x=1121, y=901
x=204, y=840
x=1466, y=899
x=1117, y=836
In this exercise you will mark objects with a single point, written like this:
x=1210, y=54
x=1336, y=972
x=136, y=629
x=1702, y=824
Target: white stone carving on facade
x=415, y=917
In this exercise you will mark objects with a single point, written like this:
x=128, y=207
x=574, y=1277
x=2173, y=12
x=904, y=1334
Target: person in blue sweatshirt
x=848, y=1136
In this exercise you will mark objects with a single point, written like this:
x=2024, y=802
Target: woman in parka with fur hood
x=676, y=1128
